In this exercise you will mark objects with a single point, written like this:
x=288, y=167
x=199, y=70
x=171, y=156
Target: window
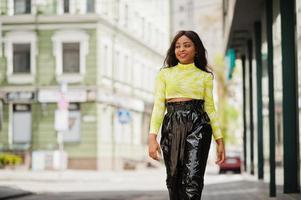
x=225, y=7
x=104, y=7
x=139, y=77
x=21, y=58
x=106, y=124
x=136, y=26
x=106, y=58
x=66, y=6
x=117, y=10
x=137, y=127
x=90, y=6
x=123, y=67
x=69, y=6
x=127, y=71
x=71, y=57
x=116, y=72
x=22, y=6
x=21, y=51
x=105, y=64
x=143, y=27
x=148, y=79
x=70, y=48
x=154, y=36
x=126, y=15
x=144, y=76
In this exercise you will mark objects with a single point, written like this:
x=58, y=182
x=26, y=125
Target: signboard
x=124, y=116
x=19, y=96
x=72, y=95
x=61, y=121
x=231, y=56
x=73, y=134
x=120, y=101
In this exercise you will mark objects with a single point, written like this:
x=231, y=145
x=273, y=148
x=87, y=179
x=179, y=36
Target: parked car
x=232, y=162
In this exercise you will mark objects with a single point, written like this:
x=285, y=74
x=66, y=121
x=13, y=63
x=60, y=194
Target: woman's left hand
x=220, y=151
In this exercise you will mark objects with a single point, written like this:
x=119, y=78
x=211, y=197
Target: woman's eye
x=177, y=47
x=187, y=45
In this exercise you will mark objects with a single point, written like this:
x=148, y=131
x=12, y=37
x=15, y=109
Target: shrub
x=8, y=159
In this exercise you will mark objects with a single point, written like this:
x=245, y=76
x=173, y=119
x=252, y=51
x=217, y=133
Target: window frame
x=20, y=37
x=70, y=36
x=11, y=8
x=64, y=6
x=61, y=7
x=94, y=7
x=25, y=13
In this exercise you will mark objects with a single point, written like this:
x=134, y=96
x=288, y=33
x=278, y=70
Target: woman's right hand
x=153, y=147
x=220, y=151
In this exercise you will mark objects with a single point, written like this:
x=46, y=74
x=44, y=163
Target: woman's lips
x=182, y=55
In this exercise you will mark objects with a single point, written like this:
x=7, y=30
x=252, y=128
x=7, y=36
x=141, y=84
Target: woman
x=184, y=89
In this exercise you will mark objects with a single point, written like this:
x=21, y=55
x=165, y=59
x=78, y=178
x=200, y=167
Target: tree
x=228, y=114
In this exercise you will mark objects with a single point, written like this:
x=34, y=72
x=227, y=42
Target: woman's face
x=185, y=50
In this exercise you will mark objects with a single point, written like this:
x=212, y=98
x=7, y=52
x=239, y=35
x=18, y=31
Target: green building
x=88, y=46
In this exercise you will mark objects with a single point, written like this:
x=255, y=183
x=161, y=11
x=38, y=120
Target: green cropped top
x=183, y=81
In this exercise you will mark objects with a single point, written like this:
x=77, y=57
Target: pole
x=269, y=23
x=291, y=156
x=258, y=56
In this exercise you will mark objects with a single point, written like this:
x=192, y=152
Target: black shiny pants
x=185, y=142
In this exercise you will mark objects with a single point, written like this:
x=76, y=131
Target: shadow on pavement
x=116, y=195
x=246, y=190
x=12, y=193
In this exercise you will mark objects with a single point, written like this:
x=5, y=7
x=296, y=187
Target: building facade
x=203, y=17
x=267, y=42
x=98, y=56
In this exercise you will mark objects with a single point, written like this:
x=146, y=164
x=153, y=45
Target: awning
x=245, y=14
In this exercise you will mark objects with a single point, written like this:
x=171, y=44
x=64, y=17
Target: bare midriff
x=178, y=99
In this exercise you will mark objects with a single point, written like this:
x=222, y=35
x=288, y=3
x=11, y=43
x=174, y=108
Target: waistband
x=194, y=104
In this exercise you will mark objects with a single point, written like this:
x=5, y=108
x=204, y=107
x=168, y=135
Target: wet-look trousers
x=185, y=142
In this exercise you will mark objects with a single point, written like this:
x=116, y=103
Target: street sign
x=63, y=103
x=124, y=116
x=61, y=122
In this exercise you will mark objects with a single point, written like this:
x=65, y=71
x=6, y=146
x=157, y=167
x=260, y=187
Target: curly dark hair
x=200, y=59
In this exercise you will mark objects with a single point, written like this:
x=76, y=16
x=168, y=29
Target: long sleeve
x=159, y=104
x=210, y=108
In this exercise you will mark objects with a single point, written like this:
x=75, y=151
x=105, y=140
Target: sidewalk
x=146, y=184
x=85, y=180
x=245, y=190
